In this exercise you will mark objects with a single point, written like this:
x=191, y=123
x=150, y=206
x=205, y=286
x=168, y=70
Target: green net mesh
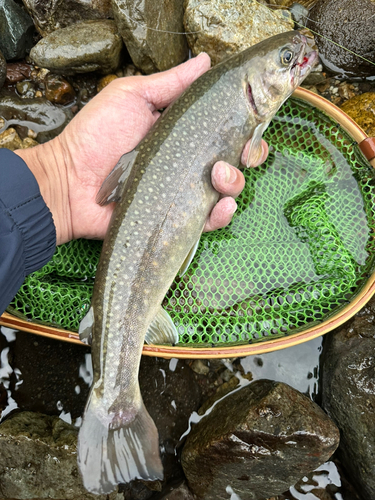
x=299, y=248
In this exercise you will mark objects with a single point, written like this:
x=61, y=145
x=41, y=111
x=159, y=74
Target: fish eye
x=286, y=56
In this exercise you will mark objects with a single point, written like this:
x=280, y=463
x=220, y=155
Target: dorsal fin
x=111, y=189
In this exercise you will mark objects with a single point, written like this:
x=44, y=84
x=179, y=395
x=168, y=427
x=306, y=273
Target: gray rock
x=349, y=395
x=139, y=23
x=16, y=30
x=38, y=459
x=80, y=48
x=38, y=115
x=351, y=26
x=3, y=69
x=50, y=15
x=222, y=28
x=257, y=442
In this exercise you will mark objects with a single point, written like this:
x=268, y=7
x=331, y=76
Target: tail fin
x=108, y=456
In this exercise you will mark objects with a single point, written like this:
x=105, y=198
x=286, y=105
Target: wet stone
x=258, y=441
x=3, y=69
x=349, y=395
x=39, y=115
x=362, y=109
x=38, y=459
x=9, y=139
x=50, y=15
x=351, y=26
x=25, y=89
x=16, y=30
x=16, y=72
x=80, y=48
x=58, y=90
x=138, y=22
x=106, y=80
x=218, y=29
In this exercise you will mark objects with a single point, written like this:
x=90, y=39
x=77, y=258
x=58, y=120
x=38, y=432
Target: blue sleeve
x=27, y=231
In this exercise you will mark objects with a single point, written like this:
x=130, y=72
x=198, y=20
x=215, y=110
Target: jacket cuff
x=27, y=213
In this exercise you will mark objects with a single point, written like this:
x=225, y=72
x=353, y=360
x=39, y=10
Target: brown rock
x=58, y=90
x=106, y=80
x=16, y=72
x=259, y=440
x=362, y=109
x=10, y=139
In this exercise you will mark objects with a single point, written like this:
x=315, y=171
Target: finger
x=226, y=179
x=160, y=89
x=262, y=158
x=221, y=214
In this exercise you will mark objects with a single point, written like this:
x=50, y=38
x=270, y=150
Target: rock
x=351, y=26
x=16, y=30
x=178, y=492
x=217, y=28
x=362, y=109
x=25, y=89
x=10, y=139
x=349, y=395
x=50, y=15
x=80, y=48
x=259, y=441
x=58, y=90
x=17, y=72
x=139, y=23
x=39, y=460
x=3, y=69
x=39, y=115
x=106, y=80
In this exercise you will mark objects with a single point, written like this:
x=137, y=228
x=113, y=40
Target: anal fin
x=86, y=327
x=162, y=329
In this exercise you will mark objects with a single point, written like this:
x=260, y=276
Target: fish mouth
x=309, y=60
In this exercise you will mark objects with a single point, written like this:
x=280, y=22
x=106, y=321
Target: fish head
x=278, y=69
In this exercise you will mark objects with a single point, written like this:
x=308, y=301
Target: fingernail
x=233, y=209
x=230, y=174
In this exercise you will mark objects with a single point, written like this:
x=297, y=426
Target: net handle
x=365, y=143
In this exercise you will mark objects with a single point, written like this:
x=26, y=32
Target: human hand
x=71, y=168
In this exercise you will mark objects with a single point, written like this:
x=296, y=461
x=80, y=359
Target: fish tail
x=117, y=448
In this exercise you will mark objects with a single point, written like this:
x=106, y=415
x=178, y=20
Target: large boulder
x=16, y=30
x=259, y=440
x=352, y=27
x=152, y=32
x=222, y=28
x=348, y=373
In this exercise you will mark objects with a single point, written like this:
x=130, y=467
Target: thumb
x=160, y=89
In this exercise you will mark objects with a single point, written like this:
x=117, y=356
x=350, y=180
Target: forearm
x=47, y=163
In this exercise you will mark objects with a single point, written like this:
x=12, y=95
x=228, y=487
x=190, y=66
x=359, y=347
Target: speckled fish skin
x=164, y=205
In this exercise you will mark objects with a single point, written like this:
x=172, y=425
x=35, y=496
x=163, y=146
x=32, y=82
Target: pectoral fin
x=255, y=150
x=111, y=189
x=162, y=329
x=190, y=256
x=86, y=327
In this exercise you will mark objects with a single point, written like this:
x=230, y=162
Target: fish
x=163, y=195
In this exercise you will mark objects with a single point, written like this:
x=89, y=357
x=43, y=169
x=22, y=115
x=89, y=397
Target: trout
x=164, y=194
